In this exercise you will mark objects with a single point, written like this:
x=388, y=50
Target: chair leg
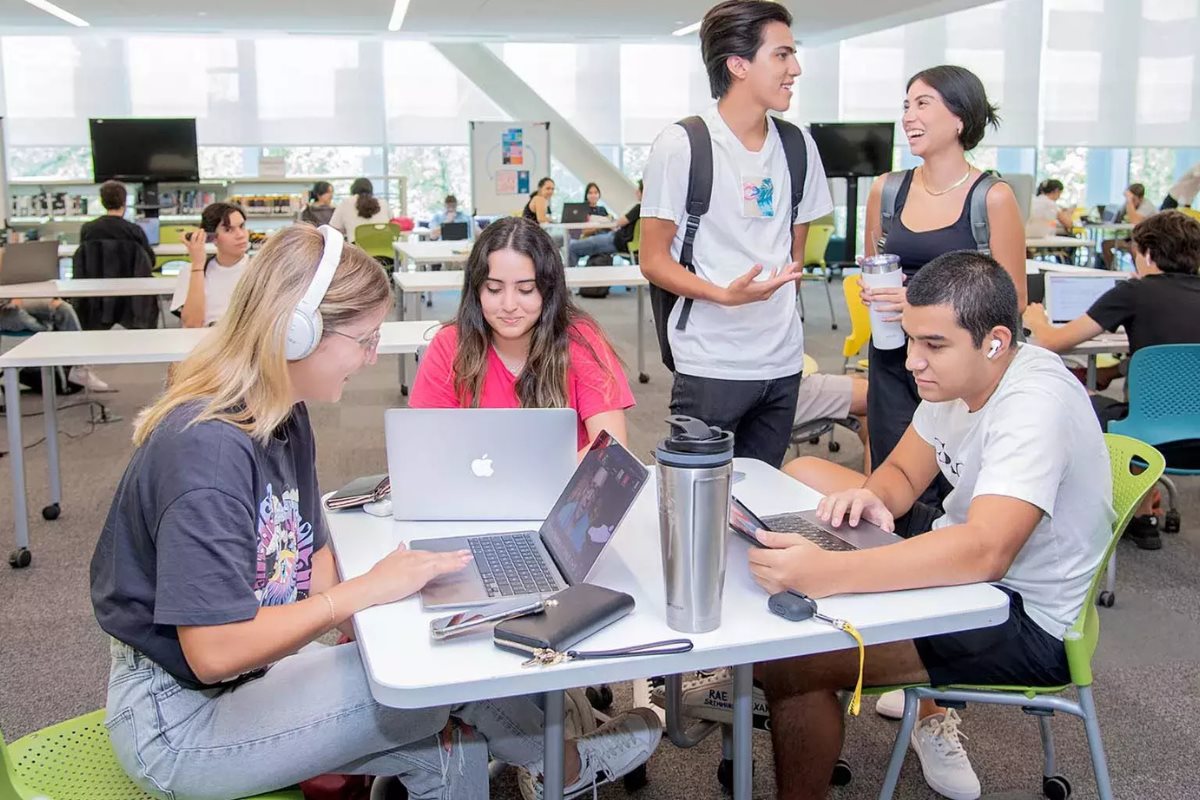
x=1048, y=768
x=829, y=297
x=800, y=297
x=1095, y=744
x=1172, y=492
x=1110, y=580
x=900, y=748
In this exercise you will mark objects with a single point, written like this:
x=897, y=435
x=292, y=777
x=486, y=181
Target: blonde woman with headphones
x=213, y=573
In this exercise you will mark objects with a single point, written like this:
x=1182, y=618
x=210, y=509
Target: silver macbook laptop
x=29, y=262
x=863, y=536
x=561, y=553
x=476, y=463
x=1070, y=294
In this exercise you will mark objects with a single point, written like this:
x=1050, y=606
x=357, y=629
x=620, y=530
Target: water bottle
x=695, y=473
x=883, y=272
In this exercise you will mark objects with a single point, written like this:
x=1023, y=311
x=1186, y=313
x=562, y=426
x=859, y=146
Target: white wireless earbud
x=994, y=349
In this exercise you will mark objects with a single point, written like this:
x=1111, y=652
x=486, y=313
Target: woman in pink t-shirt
x=518, y=341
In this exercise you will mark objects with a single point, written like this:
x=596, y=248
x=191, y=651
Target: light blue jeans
x=597, y=244
x=38, y=316
x=310, y=714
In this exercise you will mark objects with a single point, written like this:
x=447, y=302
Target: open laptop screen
x=592, y=506
x=1070, y=295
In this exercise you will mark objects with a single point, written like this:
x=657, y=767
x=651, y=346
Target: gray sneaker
x=612, y=751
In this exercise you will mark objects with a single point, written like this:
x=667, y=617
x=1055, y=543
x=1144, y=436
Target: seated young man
x=828, y=396
x=1161, y=307
x=606, y=242
x=1031, y=511
x=112, y=224
x=203, y=290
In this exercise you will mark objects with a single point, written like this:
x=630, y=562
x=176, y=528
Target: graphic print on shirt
x=758, y=196
x=945, y=459
x=285, y=549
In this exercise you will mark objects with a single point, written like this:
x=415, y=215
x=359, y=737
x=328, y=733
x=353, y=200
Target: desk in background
x=406, y=669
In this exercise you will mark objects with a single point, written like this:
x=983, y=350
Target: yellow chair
x=1194, y=213
x=860, y=322
x=378, y=239
x=814, y=259
x=635, y=244
x=171, y=234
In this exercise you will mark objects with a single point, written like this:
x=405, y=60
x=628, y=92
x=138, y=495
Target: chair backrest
x=1164, y=394
x=816, y=244
x=172, y=234
x=10, y=786
x=860, y=318
x=635, y=244
x=377, y=238
x=1194, y=213
x=1128, y=489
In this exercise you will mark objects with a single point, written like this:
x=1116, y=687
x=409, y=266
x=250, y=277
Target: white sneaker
x=890, y=704
x=612, y=751
x=943, y=759
x=88, y=380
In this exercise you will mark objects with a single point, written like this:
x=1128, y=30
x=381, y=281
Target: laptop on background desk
x=29, y=262
x=1068, y=295
x=559, y=554
x=478, y=463
x=574, y=212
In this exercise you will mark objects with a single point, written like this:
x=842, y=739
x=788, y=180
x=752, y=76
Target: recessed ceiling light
x=65, y=16
x=398, y=13
x=686, y=29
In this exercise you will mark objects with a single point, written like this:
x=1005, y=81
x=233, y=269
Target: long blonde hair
x=239, y=370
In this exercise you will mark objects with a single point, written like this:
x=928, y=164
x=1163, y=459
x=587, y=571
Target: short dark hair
x=964, y=95
x=1138, y=190
x=217, y=214
x=981, y=293
x=113, y=195
x=450, y=199
x=1049, y=186
x=1172, y=239
x=734, y=28
x=319, y=188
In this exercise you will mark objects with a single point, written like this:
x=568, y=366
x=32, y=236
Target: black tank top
x=918, y=248
x=528, y=213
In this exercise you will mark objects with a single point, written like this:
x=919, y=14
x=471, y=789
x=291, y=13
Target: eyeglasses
x=369, y=343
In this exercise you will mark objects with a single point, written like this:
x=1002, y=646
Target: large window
x=432, y=173
x=74, y=163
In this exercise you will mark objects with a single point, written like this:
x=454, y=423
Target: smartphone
x=743, y=522
x=483, y=618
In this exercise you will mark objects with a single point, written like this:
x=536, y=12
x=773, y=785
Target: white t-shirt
x=1036, y=439
x=1043, y=218
x=1186, y=188
x=748, y=222
x=218, y=287
x=345, y=217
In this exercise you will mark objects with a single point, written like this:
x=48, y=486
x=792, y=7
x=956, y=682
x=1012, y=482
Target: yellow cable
x=856, y=699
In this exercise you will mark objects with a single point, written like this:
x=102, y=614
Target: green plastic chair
x=1080, y=643
x=814, y=259
x=171, y=234
x=635, y=243
x=378, y=239
x=73, y=760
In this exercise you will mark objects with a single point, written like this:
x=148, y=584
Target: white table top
x=1108, y=226
x=406, y=669
x=164, y=345
x=576, y=277
x=581, y=226
x=1104, y=343
x=91, y=287
x=433, y=252
x=177, y=249
x=1057, y=242
x=1033, y=267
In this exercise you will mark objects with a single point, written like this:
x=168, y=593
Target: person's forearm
x=950, y=556
x=194, y=307
x=219, y=652
x=667, y=273
x=889, y=483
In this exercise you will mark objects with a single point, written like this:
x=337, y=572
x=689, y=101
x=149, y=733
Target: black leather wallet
x=576, y=613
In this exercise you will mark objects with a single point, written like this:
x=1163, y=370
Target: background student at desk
x=204, y=289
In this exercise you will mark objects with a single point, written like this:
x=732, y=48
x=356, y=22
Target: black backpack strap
x=699, y=192
x=978, y=213
x=795, y=150
x=887, y=206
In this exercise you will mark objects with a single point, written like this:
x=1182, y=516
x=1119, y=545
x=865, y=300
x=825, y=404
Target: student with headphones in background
x=214, y=577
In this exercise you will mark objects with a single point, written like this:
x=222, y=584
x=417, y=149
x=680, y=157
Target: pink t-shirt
x=595, y=383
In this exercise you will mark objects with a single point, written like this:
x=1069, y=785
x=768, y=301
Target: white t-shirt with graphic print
x=1036, y=439
x=748, y=222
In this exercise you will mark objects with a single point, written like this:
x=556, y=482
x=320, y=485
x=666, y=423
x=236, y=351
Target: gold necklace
x=949, y=188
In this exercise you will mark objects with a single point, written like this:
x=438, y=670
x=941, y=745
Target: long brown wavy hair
x=543, y=381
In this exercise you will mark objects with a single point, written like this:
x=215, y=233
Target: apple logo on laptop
x=482, y=467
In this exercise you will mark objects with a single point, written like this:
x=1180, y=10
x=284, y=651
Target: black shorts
x=1017, y=652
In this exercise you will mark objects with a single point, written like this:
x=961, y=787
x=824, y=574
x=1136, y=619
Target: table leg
x=554, y=750
x=401, y=299
x=16, y=454
x=1091, y=372
x=641, y=328
x=50, y=412
x=743, y=727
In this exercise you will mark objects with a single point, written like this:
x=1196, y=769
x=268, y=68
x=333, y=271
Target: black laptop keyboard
x=510, y=564
x=794, y=523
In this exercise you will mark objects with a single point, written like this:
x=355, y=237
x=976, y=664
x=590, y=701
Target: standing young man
x=739, y=354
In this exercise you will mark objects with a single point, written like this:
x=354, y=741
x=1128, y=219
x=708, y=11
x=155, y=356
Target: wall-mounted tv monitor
x=144, y=150
x=854, y=149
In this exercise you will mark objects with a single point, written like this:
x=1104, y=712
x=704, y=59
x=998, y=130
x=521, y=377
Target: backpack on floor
x=598, y=260
x=699, y=192
x=977, y=212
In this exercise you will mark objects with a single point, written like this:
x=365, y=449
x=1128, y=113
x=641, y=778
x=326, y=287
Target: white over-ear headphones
x=994, y=349
x=305, y=328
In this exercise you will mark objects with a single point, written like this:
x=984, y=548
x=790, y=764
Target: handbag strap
x=661, y=648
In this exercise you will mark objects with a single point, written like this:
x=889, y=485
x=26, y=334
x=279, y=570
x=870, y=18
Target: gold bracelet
x=332, y=613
